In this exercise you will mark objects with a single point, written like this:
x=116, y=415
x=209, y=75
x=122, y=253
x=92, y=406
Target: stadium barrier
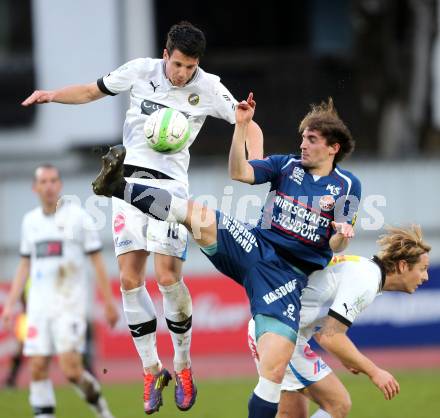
x=221, y=313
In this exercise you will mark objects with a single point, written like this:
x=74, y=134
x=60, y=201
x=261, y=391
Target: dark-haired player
x=176, y=81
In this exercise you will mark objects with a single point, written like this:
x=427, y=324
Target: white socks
x=42, y=398
x=141, y=318
x=177, y=307
x=268, y=390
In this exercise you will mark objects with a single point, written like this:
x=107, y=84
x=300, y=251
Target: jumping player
x=174, y=81
x=272, y=260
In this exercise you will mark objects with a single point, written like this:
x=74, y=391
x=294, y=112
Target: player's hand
x=343, y=228
x=111, y=314
x=244, y=110
x=352, y=370
x=39, y=97
x=386, y=383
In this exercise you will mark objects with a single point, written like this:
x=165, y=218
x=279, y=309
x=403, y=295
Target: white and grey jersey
x=342, y=290
x=57, y=246
x=150, y=90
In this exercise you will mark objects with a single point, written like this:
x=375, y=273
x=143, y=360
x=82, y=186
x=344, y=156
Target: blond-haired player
x=332, y=300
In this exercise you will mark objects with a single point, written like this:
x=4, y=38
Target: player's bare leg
x=332, y=396
x=84, y=383
x=293, y=405
x=274, y=352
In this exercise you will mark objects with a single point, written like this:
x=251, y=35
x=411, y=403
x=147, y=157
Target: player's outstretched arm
x=76, y=94
x=110, y=311
x=239, y=168
x=17, y=287
x=332, y=337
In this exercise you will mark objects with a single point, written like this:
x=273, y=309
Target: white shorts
x=47, y=336
x=305, y=366
x=133, y=230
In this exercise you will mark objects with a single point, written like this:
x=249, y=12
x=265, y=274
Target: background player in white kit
x=54, y=246
x=332, y=300
x=174, y=81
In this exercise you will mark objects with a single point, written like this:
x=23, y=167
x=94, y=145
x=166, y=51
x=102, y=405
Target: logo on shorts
x=253, y=348
x=280, y=292
x=123, y=243
x=327, y=202
x=119, y=223
x=318, y=366
x=290, y=311
x=309, y=353
x=193, y=99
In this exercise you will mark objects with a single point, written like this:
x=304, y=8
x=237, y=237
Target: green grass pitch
x=419, y=398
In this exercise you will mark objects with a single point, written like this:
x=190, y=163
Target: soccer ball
x=166, y=130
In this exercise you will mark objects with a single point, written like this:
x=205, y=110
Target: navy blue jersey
x=296, y=218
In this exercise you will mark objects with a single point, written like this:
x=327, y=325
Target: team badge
x=193, y=99
x=327, y=203
x=119, y=223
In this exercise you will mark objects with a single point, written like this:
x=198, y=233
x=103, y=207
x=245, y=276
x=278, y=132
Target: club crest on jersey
x=333, y=189
x=327, y=202
x=193, y=99
x=297, y=175
x=119, y=223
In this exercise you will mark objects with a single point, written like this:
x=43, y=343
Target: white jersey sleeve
x=123, y=78
x=224, y=107
x=25, y=245
x=358, y=287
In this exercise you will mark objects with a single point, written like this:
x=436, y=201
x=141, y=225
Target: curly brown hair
x=401, y=244
x=325, y=119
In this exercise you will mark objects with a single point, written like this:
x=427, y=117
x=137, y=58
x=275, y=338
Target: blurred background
x=378, y=59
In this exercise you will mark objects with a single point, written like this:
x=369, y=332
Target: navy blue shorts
x=273, y=286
